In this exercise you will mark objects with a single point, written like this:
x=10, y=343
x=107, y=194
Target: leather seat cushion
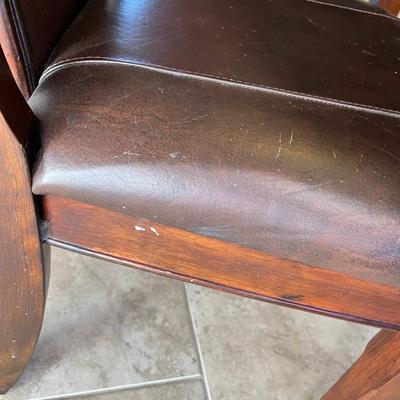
x=253, y=138
x=310, y=47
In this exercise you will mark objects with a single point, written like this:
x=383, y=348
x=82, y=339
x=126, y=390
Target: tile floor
x=113, y=333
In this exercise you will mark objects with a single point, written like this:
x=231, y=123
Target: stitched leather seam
x=247, y=85
x=353, y=9
x=23, y=44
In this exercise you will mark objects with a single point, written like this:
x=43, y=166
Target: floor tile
x=107, y=325
x=254, y=350
x=176, y=391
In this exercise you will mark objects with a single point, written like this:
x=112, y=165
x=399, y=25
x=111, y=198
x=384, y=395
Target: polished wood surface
x=172, y=252
x=393, y=6
x=11, y=46
x=21, y=275
x=375, y=375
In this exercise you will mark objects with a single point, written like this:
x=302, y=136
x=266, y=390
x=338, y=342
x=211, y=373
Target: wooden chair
x=248, y=146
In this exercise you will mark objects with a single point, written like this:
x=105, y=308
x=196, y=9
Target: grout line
x=198, y=347
x=114, y=389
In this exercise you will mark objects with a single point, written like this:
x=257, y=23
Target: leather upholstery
x=296, y=45
x=164, y=110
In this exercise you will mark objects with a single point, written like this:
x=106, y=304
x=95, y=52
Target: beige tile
x=254, y=350
x=176, y=391
x=106, y=325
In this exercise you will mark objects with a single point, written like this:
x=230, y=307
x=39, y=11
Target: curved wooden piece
x=21, y=274
x=375, y=375
x=13, y=50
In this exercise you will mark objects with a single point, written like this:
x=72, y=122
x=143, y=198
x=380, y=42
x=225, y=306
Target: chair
x=248, y=146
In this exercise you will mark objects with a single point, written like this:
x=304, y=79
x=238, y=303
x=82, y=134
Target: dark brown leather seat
x=273, y=124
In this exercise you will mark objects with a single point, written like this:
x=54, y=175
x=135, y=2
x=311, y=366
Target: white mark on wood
x=154, y=230
x=13, y=348
x=291, y=137
x=334, y=154
x=125, y=153
x=177, y=155
x=139, y=228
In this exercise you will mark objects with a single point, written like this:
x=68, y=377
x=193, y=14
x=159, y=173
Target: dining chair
x=248, y=146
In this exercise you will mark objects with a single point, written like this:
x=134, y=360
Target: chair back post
x=12, y=49
x=26, y=44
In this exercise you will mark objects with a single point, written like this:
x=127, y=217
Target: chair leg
x=375, y=375
x=22, y=294
x=22, y=289
x=22, y=280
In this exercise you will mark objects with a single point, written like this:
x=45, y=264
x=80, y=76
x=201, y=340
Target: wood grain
x=393, y=6
x=11, y=46
x=21, y=275
x=375, y=375
x=172, y=252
